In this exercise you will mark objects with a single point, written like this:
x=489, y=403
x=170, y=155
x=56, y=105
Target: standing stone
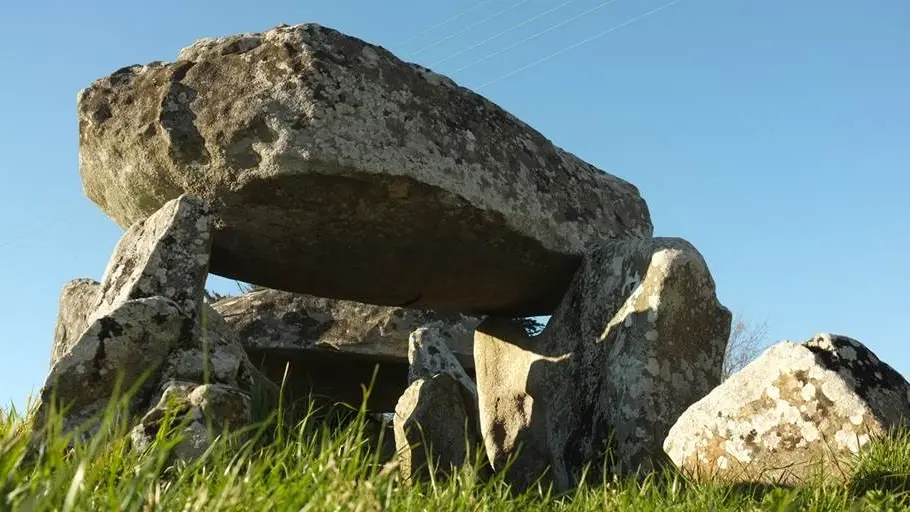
x=429, y=355
x=77, y=301
x=145, y=306
x=131, y=342
x=145, y=324
x=435, y=422
x=433, y=430
x=438, y=198
x=638, y=338
x=795, y=410
x=165, y=255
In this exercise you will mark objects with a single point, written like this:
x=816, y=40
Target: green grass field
x=329, y=462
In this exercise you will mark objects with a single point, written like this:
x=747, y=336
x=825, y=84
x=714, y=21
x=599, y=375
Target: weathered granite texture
x=436, y=421
x=144, y=326
x=338, y=170
x=638, y=338
x=794, y=411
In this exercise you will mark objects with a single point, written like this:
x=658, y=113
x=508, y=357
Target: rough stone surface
x=639, y=337
x=277, y=320
x=434, y=431
x=795, y=410
x=77, y=302
x=216, y=356
x=331, y=348
x=199, y=412
x=133, y=340
x=145, y=306
x=440, y=199
x=429, y=355
x=146, y=320
x=165, y=255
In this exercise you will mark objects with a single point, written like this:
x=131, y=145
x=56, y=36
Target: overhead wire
x=40, y=230
x=580, y=43
x=23, y=236
x=504, y=32
x=536, y=35
x=469, y=27
x=447, y=21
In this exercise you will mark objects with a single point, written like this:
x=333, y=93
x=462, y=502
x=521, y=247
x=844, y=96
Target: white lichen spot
x=773, y=392
x=723, y=462
x=810, y=432
x=654, y=303
x=653, y=366
x=651, y=335
x=848, y=440
x=771, y=440
x=808, y=392
x=848, y=353
x=857, y=419
x=202, y=223
x=737, y=448
x=823, y=342
x=652, y=315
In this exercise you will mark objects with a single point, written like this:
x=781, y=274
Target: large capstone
x=340, y=171
x=796, y=412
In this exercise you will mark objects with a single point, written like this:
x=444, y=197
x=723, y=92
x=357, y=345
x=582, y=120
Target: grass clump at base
x=321, y=463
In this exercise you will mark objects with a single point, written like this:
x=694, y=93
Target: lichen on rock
x=796, y=411
x=638, y=337
x=279, y=128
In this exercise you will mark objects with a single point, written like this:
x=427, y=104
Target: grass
x=333, y=463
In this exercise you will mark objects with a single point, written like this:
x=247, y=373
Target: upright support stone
x=434, y=432
x=639, y=336
x=145, y=324
x=165, y=255
x=145, y=306
x=435, y=423
x=429, y=355
x=77, y=303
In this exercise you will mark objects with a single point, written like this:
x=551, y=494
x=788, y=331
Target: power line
x=447, y=21
x=462, y=31
x=535, y=36
x=504, y=32
x=40, y=230
x=580, y=43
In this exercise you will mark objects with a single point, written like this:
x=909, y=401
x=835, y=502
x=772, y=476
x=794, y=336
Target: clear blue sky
x=772, y=134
